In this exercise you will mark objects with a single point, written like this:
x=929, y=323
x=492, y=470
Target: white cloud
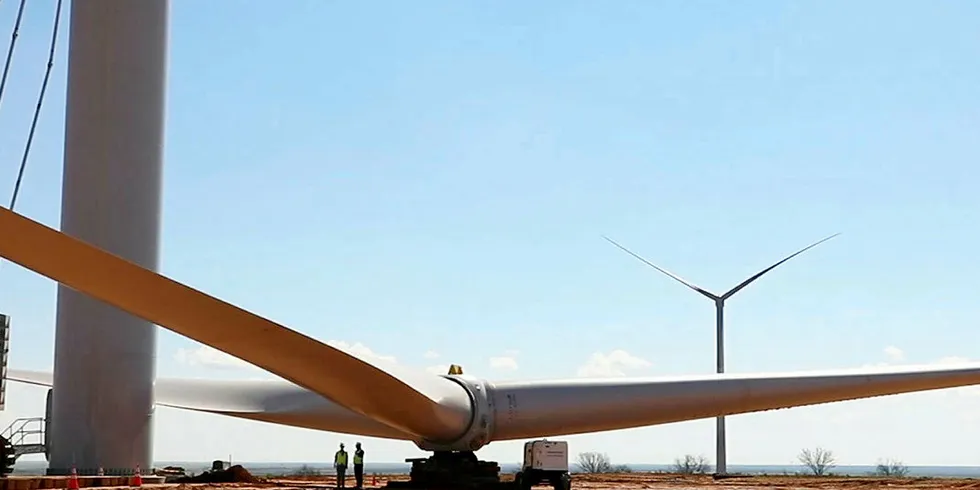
x=431, y=354
x=503, y=363
x=954, y=360
x=361, y=351
x=439, y=369
x=209, y=357
x=894, y=353
x=615, y=363
x=964, y=390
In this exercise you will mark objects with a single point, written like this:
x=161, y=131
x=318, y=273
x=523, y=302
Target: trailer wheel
x=522, y=481
x=561, y=482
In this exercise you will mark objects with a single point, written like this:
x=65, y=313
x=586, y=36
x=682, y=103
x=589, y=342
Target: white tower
x=105, y=359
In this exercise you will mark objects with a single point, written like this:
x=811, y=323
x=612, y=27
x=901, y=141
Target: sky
x=430, y=182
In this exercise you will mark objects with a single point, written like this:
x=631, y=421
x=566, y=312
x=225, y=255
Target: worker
x=358, y=466
x=340, y=463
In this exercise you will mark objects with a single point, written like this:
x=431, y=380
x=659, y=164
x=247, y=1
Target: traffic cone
x=73, y=480
x=138, y=478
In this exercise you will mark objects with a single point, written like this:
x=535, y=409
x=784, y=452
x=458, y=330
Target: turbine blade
x=429, y=407
x=771, y=267
x=274, y=401
x=670, y=274
x=558, y=408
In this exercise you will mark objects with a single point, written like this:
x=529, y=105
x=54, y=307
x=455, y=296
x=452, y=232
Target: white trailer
x=544, y=461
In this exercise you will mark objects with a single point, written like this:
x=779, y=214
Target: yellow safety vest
x=359, y=456
x=340, y=459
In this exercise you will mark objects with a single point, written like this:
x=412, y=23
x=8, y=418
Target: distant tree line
x=594, y=462
x=817, y=461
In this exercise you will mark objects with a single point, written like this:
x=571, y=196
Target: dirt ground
x=626, y=481
x=651, y=481
x=657, y=481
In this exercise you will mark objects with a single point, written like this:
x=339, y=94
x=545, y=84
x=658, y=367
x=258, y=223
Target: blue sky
x=430, y=182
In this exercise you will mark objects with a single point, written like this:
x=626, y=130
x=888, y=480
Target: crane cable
x=40, y=97
x=40, y=102
x=10, y=50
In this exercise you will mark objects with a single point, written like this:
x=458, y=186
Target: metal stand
x=451, y=470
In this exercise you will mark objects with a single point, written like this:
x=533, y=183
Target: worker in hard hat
x=340, y=464
x=358, y=466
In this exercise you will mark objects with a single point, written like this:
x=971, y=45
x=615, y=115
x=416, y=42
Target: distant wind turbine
x=721, y=462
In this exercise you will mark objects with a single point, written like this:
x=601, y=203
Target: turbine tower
x=721, y=462
x=102, y=398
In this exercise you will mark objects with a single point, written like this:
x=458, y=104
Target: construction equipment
x=544, y=461
x=4, y=352
x=22, y=436
x=446, y=470
x=7, y=457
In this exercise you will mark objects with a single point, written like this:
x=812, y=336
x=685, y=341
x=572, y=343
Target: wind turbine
x=721, y=462
x=327, y=389
x=105, y=410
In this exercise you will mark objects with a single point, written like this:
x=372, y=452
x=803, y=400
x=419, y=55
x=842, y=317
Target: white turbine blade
x=763, y=272
x=673, y=276
x=554, y=408
x=423, y=405
x=37, y=378
x=273, y=401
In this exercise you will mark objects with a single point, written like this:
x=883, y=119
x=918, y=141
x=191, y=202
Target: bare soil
x=660, y=481
x=656, y=481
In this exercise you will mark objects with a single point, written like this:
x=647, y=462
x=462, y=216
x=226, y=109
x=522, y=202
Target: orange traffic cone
x=138, y=478
x=73, y=480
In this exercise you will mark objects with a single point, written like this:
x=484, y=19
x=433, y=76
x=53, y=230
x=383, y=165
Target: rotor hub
x=480, y=430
